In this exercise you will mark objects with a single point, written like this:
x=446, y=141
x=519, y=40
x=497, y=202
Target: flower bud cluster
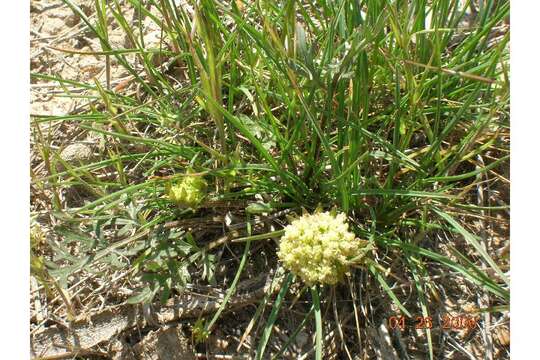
x=318, y=247
x=189, y=192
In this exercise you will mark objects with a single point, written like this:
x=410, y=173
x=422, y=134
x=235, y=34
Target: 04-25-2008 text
x=448, y=322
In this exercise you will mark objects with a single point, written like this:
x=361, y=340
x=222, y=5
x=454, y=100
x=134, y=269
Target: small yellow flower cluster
x=318, y=247
x=37, y=237
x=189, y=192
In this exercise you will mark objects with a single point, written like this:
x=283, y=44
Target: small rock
x=164, y=344
x=72, y=20
x=53, y=26
x=76, y=153
x=87, y=6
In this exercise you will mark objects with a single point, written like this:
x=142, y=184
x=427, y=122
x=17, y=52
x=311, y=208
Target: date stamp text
x=447, y=322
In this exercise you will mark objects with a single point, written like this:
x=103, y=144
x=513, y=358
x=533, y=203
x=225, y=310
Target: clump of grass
x=386, y=110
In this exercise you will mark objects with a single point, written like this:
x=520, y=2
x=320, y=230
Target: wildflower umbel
x=318, y=247
x=189, y=192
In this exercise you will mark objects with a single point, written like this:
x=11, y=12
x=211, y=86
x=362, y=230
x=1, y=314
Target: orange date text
x=447, y=322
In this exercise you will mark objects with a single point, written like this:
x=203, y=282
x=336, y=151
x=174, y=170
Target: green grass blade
x=318, y=322
x=474, y=242
x=273, y=316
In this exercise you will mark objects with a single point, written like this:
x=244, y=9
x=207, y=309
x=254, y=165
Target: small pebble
x=76, y=153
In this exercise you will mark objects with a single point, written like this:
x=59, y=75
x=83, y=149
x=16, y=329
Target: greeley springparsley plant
x=189, y=192
x=319, y=248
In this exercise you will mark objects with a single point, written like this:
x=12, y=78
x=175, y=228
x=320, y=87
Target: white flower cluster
x=318, y=247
